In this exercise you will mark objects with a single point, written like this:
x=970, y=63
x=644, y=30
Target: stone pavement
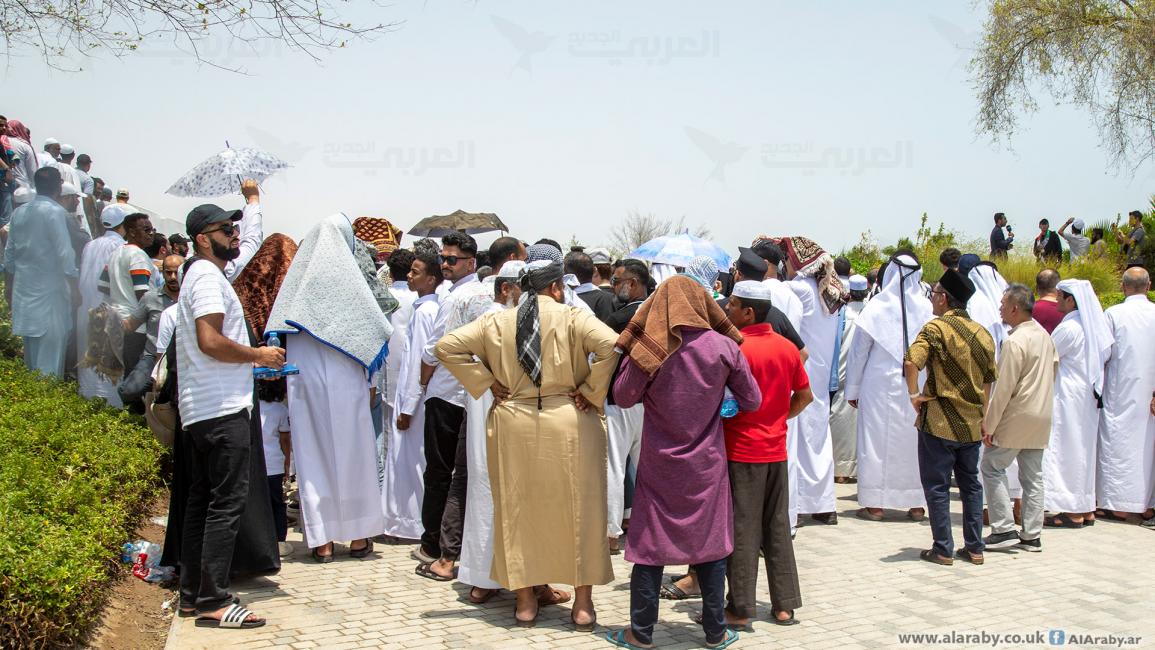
x=862, y=583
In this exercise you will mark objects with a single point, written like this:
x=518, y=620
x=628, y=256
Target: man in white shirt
x=1076, y=240
x=444, y=404
x=126, y=278
x=215, y=365
x=83, y=165
x=50, y=154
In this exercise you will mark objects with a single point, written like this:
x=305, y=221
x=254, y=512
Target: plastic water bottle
x=274, y=340
x=729, y=405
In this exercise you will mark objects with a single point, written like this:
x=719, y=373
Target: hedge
x=75, y=479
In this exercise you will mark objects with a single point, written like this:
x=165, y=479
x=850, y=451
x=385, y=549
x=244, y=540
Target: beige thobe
x=547, y=463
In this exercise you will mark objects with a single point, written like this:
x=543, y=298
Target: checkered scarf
x=537, y=276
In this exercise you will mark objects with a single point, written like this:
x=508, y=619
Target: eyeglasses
x=615, y=281
x=452, y=260
x=228, y=229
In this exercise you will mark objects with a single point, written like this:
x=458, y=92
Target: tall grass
x=1102, y=273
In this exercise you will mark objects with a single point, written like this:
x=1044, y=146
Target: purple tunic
x=682, y=513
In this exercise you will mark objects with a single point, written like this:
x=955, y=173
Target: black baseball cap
x=203, y=216
x=177, y=238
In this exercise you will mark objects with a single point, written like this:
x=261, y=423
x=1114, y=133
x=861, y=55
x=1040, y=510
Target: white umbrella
x=222, y=174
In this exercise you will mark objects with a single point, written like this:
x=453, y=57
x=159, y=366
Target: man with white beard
x=813, y=280
x=1083, y=341
x=888, y=470
x=1126, y=469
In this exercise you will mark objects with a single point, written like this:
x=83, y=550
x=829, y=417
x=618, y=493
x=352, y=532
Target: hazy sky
x=749, y=117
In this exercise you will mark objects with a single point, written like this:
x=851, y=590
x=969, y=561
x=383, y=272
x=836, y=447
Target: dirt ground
x=134, y=618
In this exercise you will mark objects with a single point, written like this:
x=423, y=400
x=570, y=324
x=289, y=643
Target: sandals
x=782, y=621
x=321, y=559
x=530, y=623
x=1062, y=520
x=618, y=638
x=728, y=639
x=489, y=594
x=748, y=627
x=547, y=596
x=189, y=613
x=584, y=627
x=235, y=617
x=671, y=590
x=916, y=517
x=425, y=570
x=865, y=513
x=362, y=552
x=966, y=555
x=421, y=556
x=931, y=556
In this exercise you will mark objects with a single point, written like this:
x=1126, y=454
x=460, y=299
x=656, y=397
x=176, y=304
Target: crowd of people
x=518, y=414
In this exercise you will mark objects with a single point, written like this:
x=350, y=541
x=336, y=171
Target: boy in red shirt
x=756, y=450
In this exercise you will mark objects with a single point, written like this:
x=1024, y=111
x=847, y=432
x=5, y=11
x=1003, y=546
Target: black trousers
x=444, y=434
x=277, y=501
x=761, y=495
x=646, y=583
x=219, y=466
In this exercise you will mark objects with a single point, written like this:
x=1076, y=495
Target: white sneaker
x=285, y=548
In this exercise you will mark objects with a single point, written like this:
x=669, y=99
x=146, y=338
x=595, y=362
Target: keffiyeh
x=653, y=334
x=538, y=275
x=896, y=314
x=811, y=261
x=1097, y=336
x=704, y=270
x=540, y=252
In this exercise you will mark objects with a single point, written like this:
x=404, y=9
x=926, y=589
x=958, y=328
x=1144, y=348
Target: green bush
x=10, y=345
x=75, y=478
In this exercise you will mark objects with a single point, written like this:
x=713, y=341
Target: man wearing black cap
x=750, y=266
x=179, y=244
x=215, y=364
x=959, y=357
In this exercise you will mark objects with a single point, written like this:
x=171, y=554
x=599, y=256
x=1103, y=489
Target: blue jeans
x=937, y=458
x=646, y=582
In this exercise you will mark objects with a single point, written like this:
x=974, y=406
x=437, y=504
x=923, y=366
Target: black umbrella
x=469, y=222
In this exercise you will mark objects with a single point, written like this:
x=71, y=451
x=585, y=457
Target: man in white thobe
x=1126, y=468
x=93, y=261
x=395, y=275
x=405, y=452
x=888, y=470
x=1083, y=341
x=843, y=416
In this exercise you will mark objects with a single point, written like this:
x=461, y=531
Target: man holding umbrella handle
x=251, y=227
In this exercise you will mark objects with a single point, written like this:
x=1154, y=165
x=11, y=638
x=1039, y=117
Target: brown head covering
x=384, y=236
x=259, y=282
x=652, y=335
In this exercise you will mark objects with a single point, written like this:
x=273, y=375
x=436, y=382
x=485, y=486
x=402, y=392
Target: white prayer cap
x=571, y=280
x=599, y=255
x=1078, y=223
x=113, y=215
x=23, y=195
x=66, y=149
x=51, y=141
x=68, y=189
x=511, y=269
x=752, y=290
x=858, y=283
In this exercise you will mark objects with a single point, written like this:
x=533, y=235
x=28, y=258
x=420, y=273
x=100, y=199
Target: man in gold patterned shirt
x=959, y=357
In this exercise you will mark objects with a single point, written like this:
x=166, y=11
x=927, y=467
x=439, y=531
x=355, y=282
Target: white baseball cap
x=113, y=215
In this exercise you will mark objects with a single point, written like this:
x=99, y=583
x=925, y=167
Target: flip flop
x=425, y=570
x=420, y=556
x=1061, y=520
x=362, y=552
x=618, y=638
x=551, y=597
x=235, y=617
x=749, y=627
x=189, y=613
x=728, y=639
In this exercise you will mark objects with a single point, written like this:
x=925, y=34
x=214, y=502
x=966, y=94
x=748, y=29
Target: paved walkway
x=862, y=583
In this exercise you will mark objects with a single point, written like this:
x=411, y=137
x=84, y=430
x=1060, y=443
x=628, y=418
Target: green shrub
x=10, y=345
x=75, y=478
x=1103, y=274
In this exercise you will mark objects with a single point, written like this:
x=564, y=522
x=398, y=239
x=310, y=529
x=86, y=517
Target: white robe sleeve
x=860, y=347
x=420, y=332
x=252, y=235
x=428, y=347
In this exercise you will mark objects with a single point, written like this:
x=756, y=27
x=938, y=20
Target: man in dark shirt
x=582, y=267
x=1048, y=246
x=752, y=267
x=1001, y=243
x=630, y=281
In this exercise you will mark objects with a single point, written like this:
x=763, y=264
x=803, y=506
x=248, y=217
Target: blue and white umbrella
x=679, y=250
x=222, y=174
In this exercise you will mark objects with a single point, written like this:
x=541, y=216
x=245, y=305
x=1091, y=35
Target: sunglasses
x=228, y=229
x=452, y=260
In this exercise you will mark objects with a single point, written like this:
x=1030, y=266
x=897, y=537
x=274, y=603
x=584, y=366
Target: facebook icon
x=1056, y=637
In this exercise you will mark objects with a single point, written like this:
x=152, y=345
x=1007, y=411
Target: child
x=278, y=447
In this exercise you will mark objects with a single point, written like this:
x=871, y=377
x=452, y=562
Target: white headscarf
x=882, y=317
x=323, y=295
x=1097, y=337
x=983, y=307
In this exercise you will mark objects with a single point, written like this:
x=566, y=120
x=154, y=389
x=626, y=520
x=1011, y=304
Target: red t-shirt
x=760, y=436
x=1047, y=314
